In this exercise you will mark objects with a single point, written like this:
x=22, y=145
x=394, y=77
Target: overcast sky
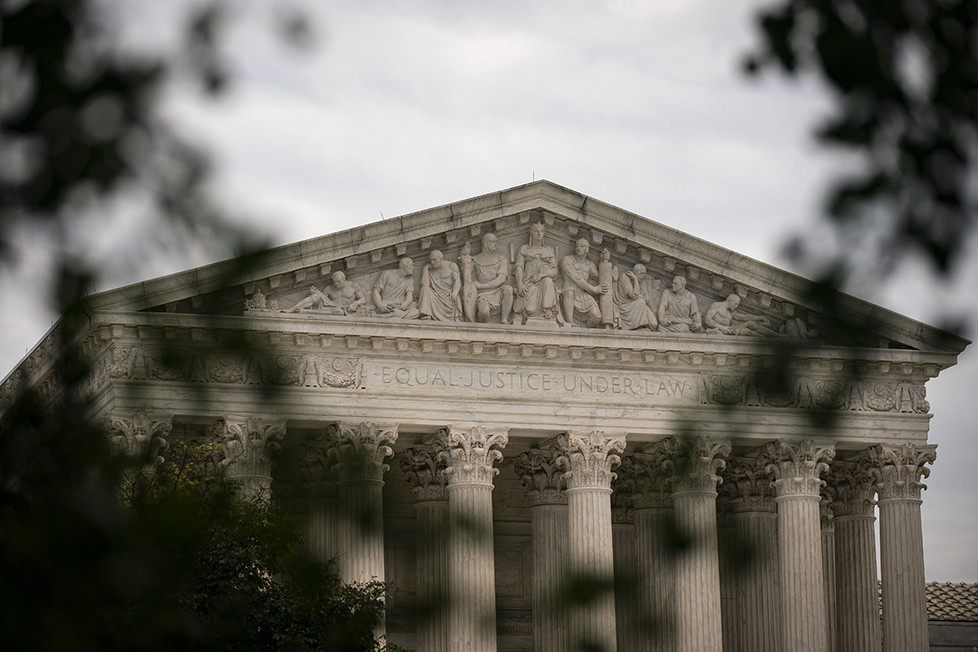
x=403, y=106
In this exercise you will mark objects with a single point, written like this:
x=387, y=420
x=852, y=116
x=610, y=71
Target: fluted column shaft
x=469, y=455
x=760, y=590
x=796, y=467
x=857, y=605
x=898, y=471
x=626, y=603
x=425, y=473
x=698, y=610
x=857, y=599
x=758, y=584
x=544, y=482
x=657, y=572
x=359, y=450
x=589, y=458
x=648, y=476
x=828, y=573
x=318, y=483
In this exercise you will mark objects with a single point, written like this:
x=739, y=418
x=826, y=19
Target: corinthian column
x=627, y=615
x=359, y=450
x=650, y=475
x=796, y=467
x=828, y=567
x=318, y=483
x=469, y=456
x=857, y=600
x=756, y=524
x=426, y=475
x=544, y=484
x=694, y=497
x=248, y=445
x=589, y=459
x=898, y=471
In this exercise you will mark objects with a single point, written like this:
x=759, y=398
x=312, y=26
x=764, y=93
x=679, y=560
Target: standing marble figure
x=487, y=289
x=440, y=288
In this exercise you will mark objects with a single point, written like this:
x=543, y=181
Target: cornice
x=695, y=351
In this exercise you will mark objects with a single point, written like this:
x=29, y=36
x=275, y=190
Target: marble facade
x=564, y=404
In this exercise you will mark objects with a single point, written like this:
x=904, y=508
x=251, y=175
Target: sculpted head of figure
x=733, y=301
x=605, y=255
x=678, y=283
x=467, y=249
x=436, y=257
x=489, y=242
x=406, y=266
x=339, y=278
x=638, y=270
x=536, y=232
x=582, y=247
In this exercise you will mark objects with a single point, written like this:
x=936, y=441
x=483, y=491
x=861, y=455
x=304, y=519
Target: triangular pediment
x=773, y=303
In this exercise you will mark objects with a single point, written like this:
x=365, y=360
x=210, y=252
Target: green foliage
x=178, y=562
x=903, y=81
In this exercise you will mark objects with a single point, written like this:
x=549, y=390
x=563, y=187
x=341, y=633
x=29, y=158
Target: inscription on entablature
x=551, y=383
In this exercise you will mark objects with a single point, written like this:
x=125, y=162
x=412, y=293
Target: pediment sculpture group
x=538, y=288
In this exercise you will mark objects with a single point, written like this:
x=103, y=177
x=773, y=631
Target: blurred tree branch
x=903, y=81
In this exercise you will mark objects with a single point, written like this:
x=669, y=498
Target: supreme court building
x=481, y=402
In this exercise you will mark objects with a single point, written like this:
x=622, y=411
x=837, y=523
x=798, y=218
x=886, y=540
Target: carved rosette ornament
x=359, y=450
x=589, y=458
x=469, y=454
x=697, y=462
x=425, y=472
x=541, y=476
x=899, y=469
x=139, y=436
x=248, y=445
x=853, y=489
x=796, y=466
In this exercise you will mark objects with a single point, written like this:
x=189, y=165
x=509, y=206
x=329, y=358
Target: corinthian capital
x=470, y=453
x=249, y=444
x=588, y=458
x=139, y=436
x=899, y=469
x=751, y=487
x=360, y=449
x=425, y=472
x=852, y=488
x=796, y=466
x=697, y=461
x=541, y=475
x=648, y=476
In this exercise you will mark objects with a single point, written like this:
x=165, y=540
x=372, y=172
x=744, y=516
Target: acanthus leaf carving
x=697, y=462
x=898, y=470
x=140, y=436
x=797, y=466
x=249, y=444
x=853, y=488
x=751, y=484
x=588, y=458
x=360, y=450
x=541, y=475
x=425, y=472
x=469, y=454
